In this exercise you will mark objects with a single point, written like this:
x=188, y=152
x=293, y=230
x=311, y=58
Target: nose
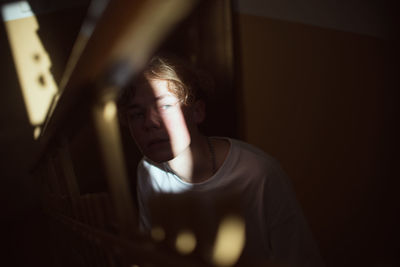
x=152, y=119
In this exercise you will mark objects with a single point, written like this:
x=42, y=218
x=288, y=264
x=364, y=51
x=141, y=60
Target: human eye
x=166, y=106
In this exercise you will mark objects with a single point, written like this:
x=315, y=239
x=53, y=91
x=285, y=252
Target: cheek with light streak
x=178, y=132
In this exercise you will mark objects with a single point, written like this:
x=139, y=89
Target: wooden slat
x=126, y=35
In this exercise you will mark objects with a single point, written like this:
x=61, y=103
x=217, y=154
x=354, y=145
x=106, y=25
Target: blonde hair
x=186, y=82
x=173, y=71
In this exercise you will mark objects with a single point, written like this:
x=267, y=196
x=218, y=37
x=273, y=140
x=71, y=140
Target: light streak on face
x=157, y=121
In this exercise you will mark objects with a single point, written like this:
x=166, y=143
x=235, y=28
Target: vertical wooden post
x=106, y=123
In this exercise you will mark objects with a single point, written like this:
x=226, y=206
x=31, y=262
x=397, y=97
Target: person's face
x=158, y=122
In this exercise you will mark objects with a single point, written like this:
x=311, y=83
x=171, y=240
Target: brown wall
x=317, y=100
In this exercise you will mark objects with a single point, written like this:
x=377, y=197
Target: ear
x=199, y=111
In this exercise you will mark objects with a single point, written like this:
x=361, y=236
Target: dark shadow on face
x=156, y=121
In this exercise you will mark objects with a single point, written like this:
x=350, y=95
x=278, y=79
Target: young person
x=163, y=109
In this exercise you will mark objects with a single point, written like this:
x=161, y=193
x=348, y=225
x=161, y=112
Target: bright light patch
x=185, y=242
x=31, y=60
x=110, y=110
x=158, y=234
x=229, y=241
x=36, y=132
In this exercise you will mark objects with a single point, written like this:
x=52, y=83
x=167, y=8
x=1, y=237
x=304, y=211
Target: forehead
x=150, y=90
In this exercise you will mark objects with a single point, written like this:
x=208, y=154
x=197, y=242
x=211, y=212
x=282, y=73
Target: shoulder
x=251, y=153
x=249, y=161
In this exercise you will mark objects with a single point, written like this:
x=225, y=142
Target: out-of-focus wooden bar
x=87, y=190
x=122, y=40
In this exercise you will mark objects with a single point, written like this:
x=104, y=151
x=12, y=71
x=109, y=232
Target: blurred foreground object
x=32, y=62
x=82, y=166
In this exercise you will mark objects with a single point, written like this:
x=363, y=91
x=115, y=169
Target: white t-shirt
x=250, y=182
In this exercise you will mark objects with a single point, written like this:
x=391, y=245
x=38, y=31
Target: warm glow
x=158, y=234
x=229, y=241
x=110, y=110
x=36, y=132
x=185, y=242
x=31, y=60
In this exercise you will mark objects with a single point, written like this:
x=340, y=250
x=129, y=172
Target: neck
x=195, y=164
